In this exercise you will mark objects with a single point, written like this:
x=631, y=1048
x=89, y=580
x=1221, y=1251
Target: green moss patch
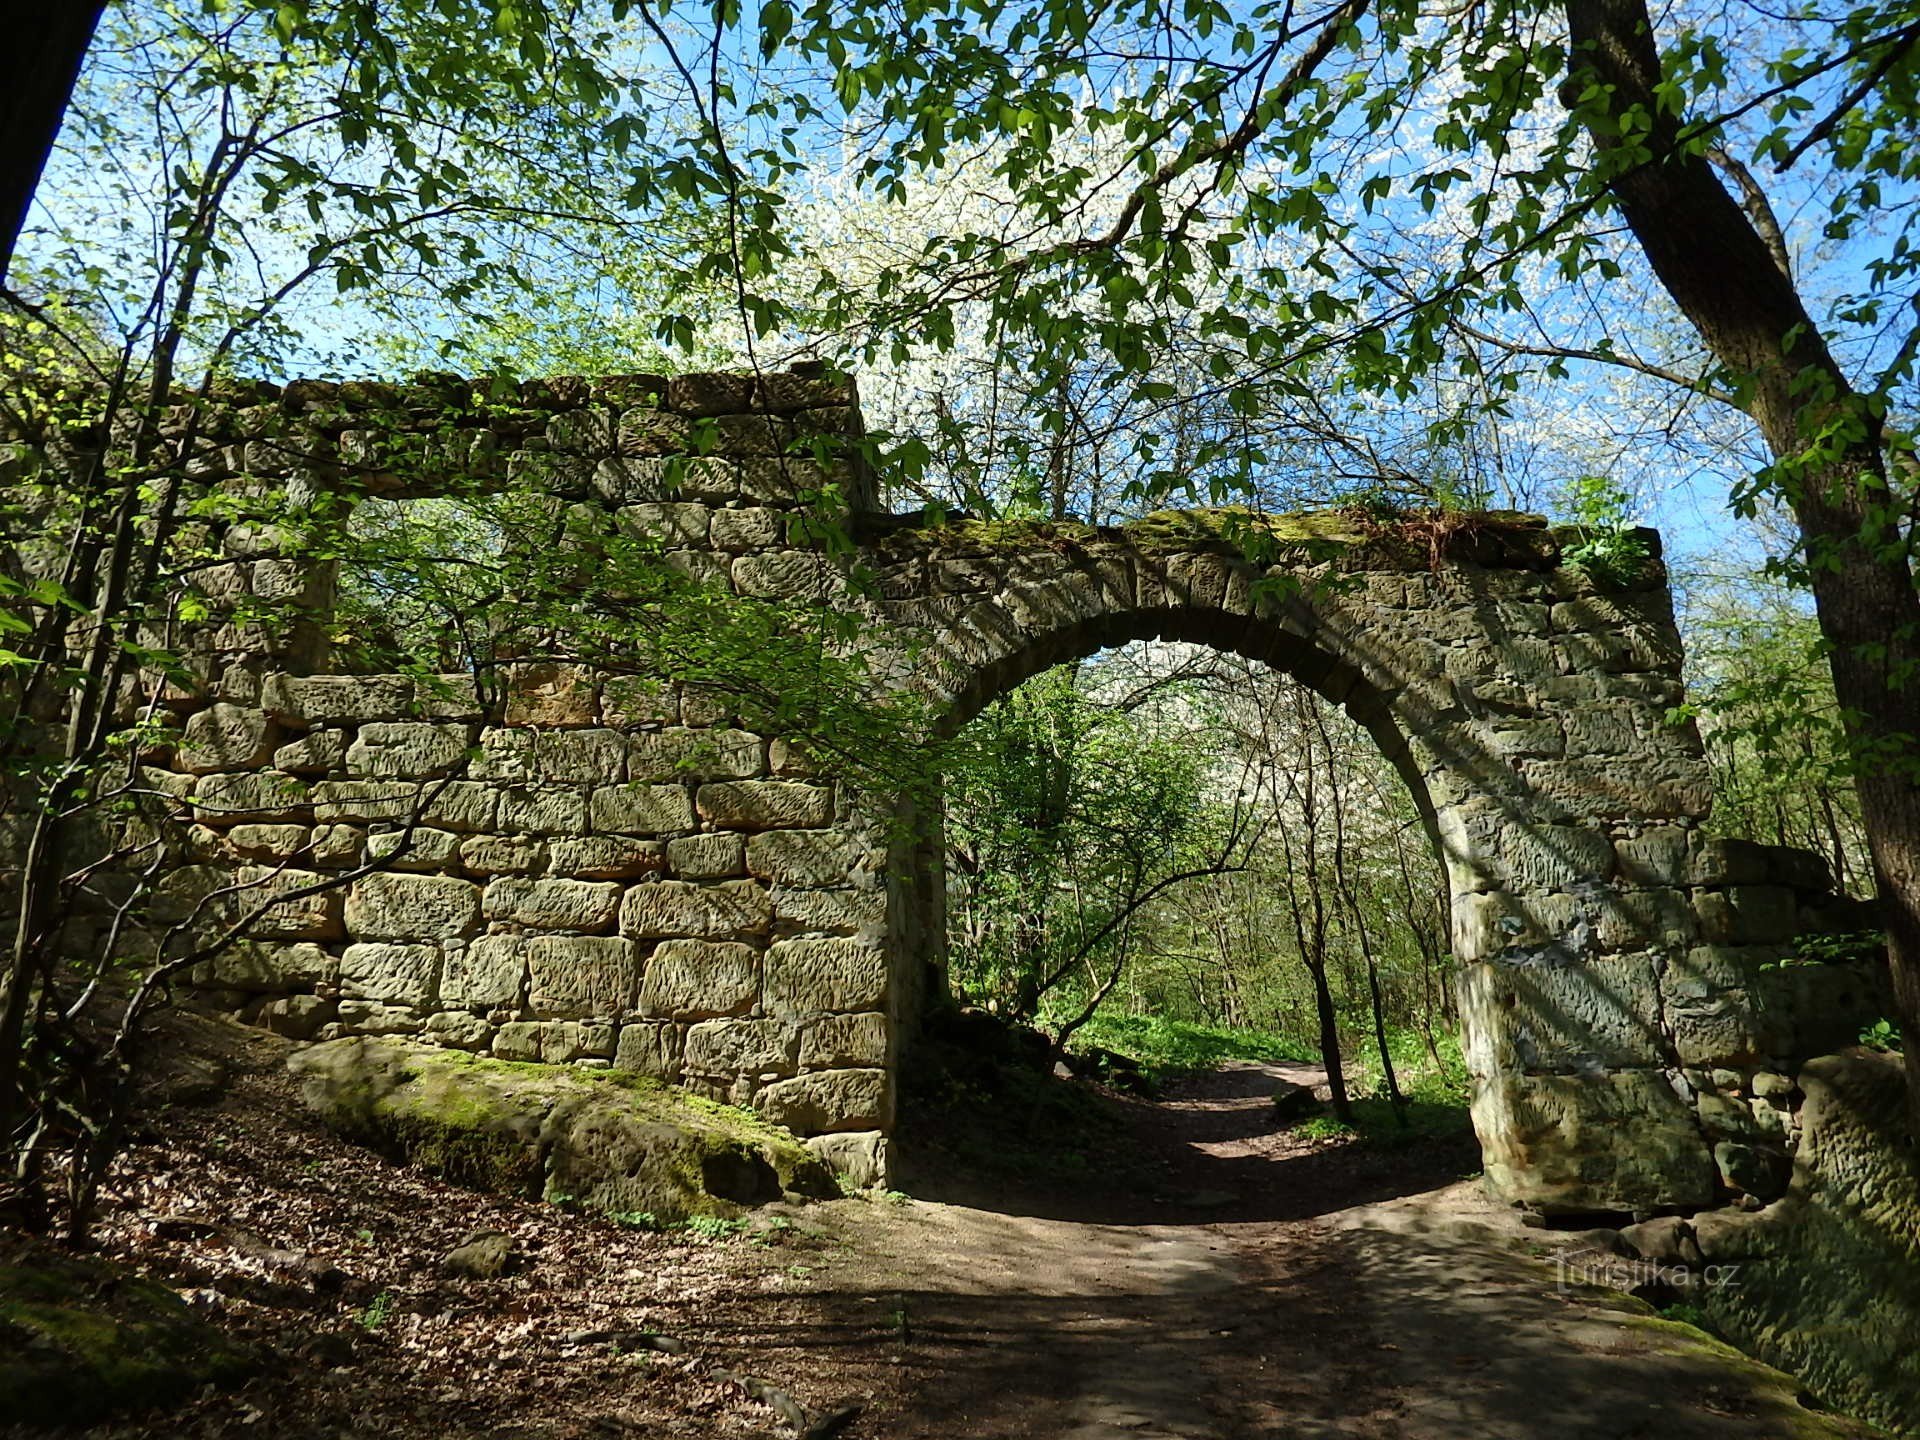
x=602, y=1139
x=81, y=1339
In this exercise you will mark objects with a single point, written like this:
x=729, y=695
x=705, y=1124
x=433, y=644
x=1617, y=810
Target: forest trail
x=1257, y=1285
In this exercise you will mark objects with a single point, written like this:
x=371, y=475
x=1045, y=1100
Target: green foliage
x=1608, y=545
x=1883, y=1034
x=1064, y=809
x=713, y=1228
x=1167, y=1047
x=377, y=1312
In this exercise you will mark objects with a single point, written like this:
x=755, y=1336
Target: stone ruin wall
x=626, y=877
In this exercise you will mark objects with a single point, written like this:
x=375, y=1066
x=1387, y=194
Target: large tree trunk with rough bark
x=47, y=39
x=1718, y=267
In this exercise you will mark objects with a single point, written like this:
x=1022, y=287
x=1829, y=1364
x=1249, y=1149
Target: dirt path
x=1253, y=1285
x=1218, y=1278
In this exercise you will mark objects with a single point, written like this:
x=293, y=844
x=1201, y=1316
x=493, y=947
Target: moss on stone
x=604, y=1139
x=81, y=1339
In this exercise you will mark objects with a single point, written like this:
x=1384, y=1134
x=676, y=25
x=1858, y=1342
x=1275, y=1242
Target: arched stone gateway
x=630, y=878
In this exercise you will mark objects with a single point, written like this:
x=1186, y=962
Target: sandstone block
x=674, y=909
x=765, y=804
x=859, y=1157
x=695, y=754
x=488, y=973
x=458, y=1030
x=1656, y=856
x=407, y=751
x=425, y=848
x=606, y=857
x=739, y=1047
x=640, y=809
x=392, y=974
x=412, y=907
x=832, y=1041
x=579, y=975
x=753, y=528
x=543, y=810
x=585, y=756
x=548, y=694
x=635, y=700
x=323, y=699
x=823, y=1101
x=263, y=797
x=802, y=858
x=315, y=753
x=550, y=904
x=812, y=975
x=653, y=1050
x=671, y=522
x=700, y=980
x=224, y=737
x=306, y=917
x=463, y=805
x=834, y=912
x=503, y=854
x=267, y=842
x=717, y=855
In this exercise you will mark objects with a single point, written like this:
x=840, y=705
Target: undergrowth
x=1165, y=1048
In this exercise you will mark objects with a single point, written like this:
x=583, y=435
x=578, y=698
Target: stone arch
x=629, y=877
x=1526, y=704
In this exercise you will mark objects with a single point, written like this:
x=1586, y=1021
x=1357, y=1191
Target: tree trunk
x=49, y=42
x=1719, y=269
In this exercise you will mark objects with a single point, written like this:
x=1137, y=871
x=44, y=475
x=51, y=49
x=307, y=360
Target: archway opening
x=1167, y=864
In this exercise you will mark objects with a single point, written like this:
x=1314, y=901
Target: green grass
x=1165, y=1047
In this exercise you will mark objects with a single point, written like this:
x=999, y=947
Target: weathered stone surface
x=268, y=842
x=831, y=912
x=804, y=858
x=1852, y=1209
x=696, y=754
x=649, y=1049
x=224, y=737
x=488, y=973
x=581, y=975
x=1603, y=1013
x=765, y=804
x=858, y=1157
x=320, y=699
x=700, y=980
x=823, y=1101
x=543, y=810
x=261, y=798
x=605, y=1139
x=549, y=904
x=392, y=974
x=739, y=1047
x=503, y=854
x=585, y=757
x=263, y=965
x=409, y=751
x=1620, y=1140
x=670, y=908
x=462, y=805
x=837, y=1040
x=720, y=855
x=421, y=848
x=315, y=753
x=412, y=907
x=811, y=975
x=298, y=917
x=606, y=857
x=548, y=694
x=641, y=809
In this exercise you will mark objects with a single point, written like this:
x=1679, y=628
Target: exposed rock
x=81, y=1340
x=483, y=1255
x=605, y=1139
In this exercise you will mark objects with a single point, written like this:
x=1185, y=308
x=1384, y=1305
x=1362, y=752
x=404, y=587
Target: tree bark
x=36, y=81
x=1719, y=270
